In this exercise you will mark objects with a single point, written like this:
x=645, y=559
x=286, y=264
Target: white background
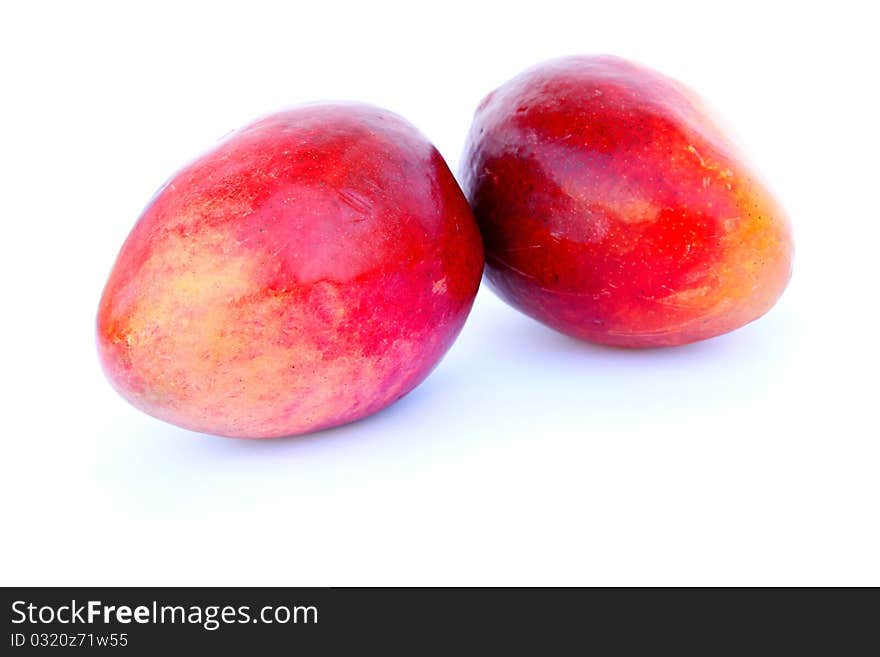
x=527, y=457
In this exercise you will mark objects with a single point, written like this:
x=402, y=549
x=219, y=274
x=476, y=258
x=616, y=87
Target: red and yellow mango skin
x=614, y=210
x=308, y=271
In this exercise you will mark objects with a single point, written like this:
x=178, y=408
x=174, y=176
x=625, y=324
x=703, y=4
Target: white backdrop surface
x=527, y=457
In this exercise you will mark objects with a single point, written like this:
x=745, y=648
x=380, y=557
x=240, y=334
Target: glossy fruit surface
x=614, y=209
x=309, y=270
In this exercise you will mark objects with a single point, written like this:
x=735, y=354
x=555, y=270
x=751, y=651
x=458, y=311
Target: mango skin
x=309, y=270
x=614, y=210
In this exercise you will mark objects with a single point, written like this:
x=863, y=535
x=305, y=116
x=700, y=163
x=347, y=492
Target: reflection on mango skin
x=614, y=210
x=306, y=272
